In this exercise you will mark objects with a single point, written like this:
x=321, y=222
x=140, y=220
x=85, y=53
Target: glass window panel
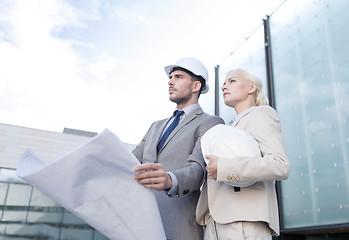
x=76, y=234
x=44, y=217
x=3, y=192
x=70, y=218
x=18, y=195
x=311, y=69
x=14, y=216
x=11, y=238
x=99, y=236
x=250, y=56
x=2, y=228
x=41, y=200
x=39, y=231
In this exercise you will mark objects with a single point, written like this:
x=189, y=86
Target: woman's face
x=236, y=89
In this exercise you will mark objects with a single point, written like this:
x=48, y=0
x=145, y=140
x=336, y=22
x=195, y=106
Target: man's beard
x=181, y=100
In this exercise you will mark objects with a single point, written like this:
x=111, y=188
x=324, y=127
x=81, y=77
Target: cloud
x=41, y=84
x=91, y=63
x=131, y=16
x=96, y=68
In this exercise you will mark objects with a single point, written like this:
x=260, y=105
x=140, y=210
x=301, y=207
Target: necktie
x=168, y=131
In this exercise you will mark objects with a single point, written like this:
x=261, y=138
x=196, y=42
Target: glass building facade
x=26, y=213
x=301, y=53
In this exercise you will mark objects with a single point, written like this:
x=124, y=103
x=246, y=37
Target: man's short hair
x=196, y=77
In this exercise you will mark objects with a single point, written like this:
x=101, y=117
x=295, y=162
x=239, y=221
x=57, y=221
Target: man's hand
x=211, y=167
x=153, y=176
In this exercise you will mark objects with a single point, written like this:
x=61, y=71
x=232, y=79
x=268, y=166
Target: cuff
x=173, y=191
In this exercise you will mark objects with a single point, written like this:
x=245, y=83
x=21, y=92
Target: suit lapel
x=181, y=124
x=246, y=112
x=160, y=130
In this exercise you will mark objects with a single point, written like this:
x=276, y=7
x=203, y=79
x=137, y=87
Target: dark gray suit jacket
x=181, y=155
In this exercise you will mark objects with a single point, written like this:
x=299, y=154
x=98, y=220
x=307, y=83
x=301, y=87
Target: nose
x=170, y=82
x=223, y=87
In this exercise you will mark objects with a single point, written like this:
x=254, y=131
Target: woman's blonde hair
x=260, y=98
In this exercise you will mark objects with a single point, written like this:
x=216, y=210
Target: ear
x=253, y=88
x=196, y=86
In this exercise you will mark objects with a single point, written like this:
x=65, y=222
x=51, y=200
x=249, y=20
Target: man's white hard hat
x=193, y=65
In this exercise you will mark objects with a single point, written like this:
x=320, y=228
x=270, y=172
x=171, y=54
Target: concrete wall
x=47, y=145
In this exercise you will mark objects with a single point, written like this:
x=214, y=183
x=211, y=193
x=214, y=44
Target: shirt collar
x=190, y=108
x=240, y=115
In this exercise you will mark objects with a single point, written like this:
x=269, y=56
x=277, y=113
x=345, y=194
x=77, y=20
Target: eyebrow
x=231, y=78
x=176, y=75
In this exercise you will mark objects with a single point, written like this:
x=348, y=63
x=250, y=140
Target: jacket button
x=229, y=178
x=237, y=178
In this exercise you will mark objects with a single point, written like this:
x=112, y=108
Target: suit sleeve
x=138, y=151
x=191, y=177
x=273, y=163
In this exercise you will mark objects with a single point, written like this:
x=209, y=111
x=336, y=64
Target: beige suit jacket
x=257, y=202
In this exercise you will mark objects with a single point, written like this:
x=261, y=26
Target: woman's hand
x=211, y=167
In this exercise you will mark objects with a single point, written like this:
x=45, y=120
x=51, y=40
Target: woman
x=248, y=212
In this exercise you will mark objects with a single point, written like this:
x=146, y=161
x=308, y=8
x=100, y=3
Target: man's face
x=181, y=87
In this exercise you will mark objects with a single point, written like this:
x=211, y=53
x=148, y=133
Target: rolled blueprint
x=96, y=182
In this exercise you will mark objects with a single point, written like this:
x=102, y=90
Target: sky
x=97, y=64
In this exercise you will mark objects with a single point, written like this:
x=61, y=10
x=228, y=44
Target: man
x=172, y=162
